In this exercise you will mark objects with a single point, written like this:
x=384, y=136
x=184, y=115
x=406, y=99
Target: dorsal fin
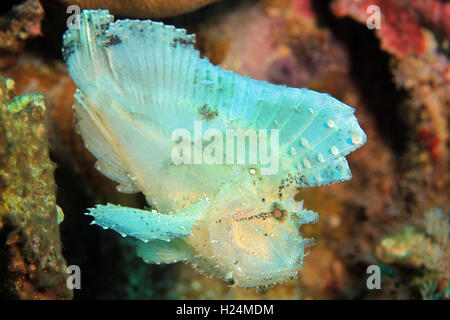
x=142, y=80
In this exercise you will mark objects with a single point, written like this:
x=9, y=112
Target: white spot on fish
x=304, y=142
x=356, y=138
x=320, y=157
x=293, y=152
x=307, y=163
x=334, y=150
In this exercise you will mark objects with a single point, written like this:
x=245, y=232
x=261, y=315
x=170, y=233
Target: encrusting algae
x=429, y=248
x=31, y=262
x=425, y=249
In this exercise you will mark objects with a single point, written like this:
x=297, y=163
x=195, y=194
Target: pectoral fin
x=147, y=225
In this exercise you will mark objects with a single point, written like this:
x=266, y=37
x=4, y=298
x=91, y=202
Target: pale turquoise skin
x=138, y=82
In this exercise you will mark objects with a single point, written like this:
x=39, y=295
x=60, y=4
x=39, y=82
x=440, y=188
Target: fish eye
x=278, y=212
x=252, y=171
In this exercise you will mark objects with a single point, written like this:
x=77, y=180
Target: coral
x=430, y=291
x=419, y=63
x=402, y=21
x=410, y=248
x=426, y=247
x=31, y=260
x=427, y=77
x=415, y=248
x=416, y=35
x=435, y=14
x=142, y=8
x=400, y=31
x=21, y=22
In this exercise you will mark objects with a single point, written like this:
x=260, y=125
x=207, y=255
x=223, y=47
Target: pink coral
x=434, y=13
x=400, y=31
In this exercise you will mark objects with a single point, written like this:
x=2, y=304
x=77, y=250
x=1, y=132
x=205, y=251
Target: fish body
x=220, y=156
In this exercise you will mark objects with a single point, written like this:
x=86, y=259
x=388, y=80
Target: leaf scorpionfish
x=142, y=89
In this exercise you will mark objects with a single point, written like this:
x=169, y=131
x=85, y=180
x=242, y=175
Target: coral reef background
x=397, y=77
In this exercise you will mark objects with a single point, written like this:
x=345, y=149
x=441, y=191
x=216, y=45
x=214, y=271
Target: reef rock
x=30, y=261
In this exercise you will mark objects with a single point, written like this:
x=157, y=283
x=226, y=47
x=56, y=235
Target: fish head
x=252, y=238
